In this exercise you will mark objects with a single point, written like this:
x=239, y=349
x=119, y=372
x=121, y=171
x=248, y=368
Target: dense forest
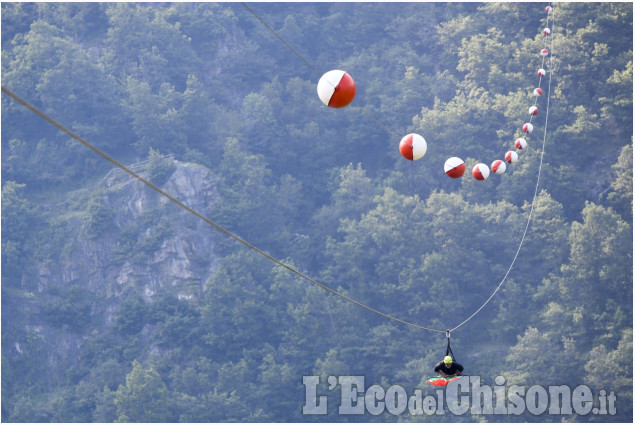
x=120, y=306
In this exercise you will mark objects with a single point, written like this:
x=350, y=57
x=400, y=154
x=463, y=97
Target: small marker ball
x=480, y=171
x=511, y=157
x=533, y=110
x=499, y=167
x=542, y=72
x=454, y=167
x=546, y=31
x=413, y=147
x=528, y=128
x=537, y=92
x=520, y=143
x=544, y=52
x=336, y=89
x=548, y=9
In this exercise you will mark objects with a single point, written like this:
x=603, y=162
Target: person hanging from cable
x=448, y=367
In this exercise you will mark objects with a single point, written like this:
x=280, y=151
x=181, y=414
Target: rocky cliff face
x=149, y=244
x=173, y=247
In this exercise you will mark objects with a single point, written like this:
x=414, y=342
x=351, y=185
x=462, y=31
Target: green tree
x=69, y=308
x=234, y=314
x=105, y=409
x=144, y=41
x=17, y=218
x=618, y=104
x=16, y=19
x=596, y=270
x=202, y=121
x=621, y=358
x=132, y=315
x=546, y=242
x=99, y=217
x=622, y=187
x=533, y=359
x=258, y=121
x=255, y=205
x=144, y=398
x=159, y=168
x=69, y=86
x=156, y=120
x=353, y=194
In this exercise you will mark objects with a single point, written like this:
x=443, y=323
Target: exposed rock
x=168, y=245
x=185, y=255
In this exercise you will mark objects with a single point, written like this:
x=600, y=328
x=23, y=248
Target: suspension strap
x=448, y=351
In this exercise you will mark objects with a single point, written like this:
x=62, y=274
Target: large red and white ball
x=548, y=9
x=546, y=31
x=413, y=146
x=533, y=110
x=480, y=171
x=520, y=143
x=544, y=52
x=336, y=89
x=454, y=167
x=528, y=128
x=499, y=167
x=511, y=157
x=537, y=91
x=542, y=72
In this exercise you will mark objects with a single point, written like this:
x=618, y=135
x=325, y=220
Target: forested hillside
x=119, y=306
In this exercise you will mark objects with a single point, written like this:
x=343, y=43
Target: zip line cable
x=199, y=215
x=533, y=202
x=293, y=270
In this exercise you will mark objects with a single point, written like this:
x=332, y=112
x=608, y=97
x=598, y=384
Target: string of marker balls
x=336, y=89
x=527, y=128
x=455, y=167
x=413, y=146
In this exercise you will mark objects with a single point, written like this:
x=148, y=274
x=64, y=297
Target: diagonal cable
x=197, y=214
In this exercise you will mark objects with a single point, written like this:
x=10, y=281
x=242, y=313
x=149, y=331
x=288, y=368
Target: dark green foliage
x=118, y=306
x=17, y=215
x=144, y=398
x=132, y=315
x=70, y=308
x=159, y=168
x=99, y=217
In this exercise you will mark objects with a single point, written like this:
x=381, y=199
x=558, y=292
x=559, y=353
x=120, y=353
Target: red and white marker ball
x=480, y=171
x=533, y=110
x=542, y=72
x=336, y=89
x=548, y=9
x=413, y=146
x=546, y=31
x=454, y=167
x=520, y=143
x=511, y=157
x=537, y=92
x=499, y=167
x=528, y=128
x=544, y=52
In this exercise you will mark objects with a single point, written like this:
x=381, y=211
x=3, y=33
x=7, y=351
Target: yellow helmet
x=447, y=360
